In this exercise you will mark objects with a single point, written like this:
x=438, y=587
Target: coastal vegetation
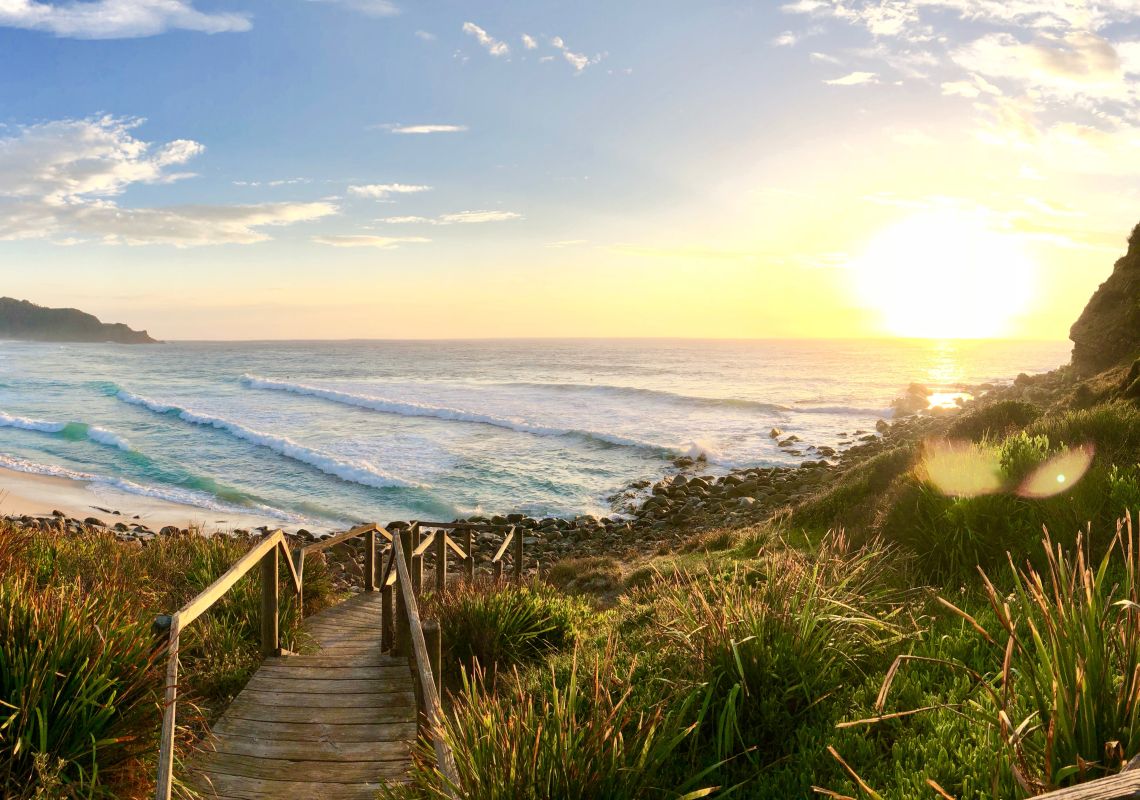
x=20, y=319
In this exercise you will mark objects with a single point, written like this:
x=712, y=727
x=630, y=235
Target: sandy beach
x=39, y=495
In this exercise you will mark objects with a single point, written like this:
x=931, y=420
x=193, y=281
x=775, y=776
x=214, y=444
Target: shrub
x=497, y=626
x=77, y=689
x=579, y=739
x=585, y=575
x=1022, y=453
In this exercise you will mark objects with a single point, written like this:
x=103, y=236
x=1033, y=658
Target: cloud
x=972, y=88
x=493, y=46
x=854, y=79
x=116, y=19
x=272, y=184
x=824, y=58
x=785, y=39
x=426, y=36
x=362, y=240
x=459, y=218
x=423, y=129
x=59, y=180
x=373, y=8
x=578, y=60
x=529, y=42
x=381, y=191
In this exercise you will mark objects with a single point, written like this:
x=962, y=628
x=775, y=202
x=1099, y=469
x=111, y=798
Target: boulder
x=1108, y=331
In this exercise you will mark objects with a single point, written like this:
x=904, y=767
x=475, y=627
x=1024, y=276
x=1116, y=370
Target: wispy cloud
x=578, y=60
x=854, y=79
x=363, y=240
x=117, y=19
x=272, y=184
x=373, y=8
x=785, y=39
x=59, y=181
x=458, y=218
x=492, y=45
x=381, y=191
x=426, y=36
x=529, y=42
x=423, y=129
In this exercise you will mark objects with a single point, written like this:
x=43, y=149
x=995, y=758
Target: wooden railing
x=1123, y=786
x=402, y=631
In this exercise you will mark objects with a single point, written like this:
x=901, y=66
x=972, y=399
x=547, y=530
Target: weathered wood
x=402, y=643
x=459, y=551
x=370, y=561
x=503, y=547
x=387, y=619
x=317, y=731
x=1124, y=786
x=334, y=671
x=440, y=561
x=424, y=544
x=433, y=637
x=518, y=554
x=498, y=570
x=416, y=562
x=343, y=752
x=445, y=761
x=315, y=771
x=270, y=605
x=237, y=787
x=214, y=592
x=318, y=686
x=321, y=714
x=329, y=541
x=469, y=542
x=166, y=743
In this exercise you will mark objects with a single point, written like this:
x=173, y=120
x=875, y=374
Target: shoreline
x=27, y=494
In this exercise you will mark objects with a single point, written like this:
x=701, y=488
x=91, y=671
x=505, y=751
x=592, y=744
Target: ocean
x=324, y=434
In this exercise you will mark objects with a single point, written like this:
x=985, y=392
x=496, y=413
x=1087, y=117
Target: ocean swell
x=69, y=430
x=406, y=409
x=354, y=471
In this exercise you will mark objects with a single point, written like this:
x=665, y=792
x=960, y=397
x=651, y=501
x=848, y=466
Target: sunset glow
x=945, y=276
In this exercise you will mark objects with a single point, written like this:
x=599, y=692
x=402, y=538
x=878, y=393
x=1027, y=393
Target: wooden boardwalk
x=328, y=726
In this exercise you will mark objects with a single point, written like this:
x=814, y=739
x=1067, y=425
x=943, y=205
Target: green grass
x=79, y=704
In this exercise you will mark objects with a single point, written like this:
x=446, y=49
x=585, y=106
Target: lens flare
x=961, y=469
x=1059, y=474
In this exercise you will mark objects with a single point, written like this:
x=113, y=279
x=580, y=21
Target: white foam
x=24, y=423
x=407, y=409
x=168, y=494
x=104, y=436
x=355, y=471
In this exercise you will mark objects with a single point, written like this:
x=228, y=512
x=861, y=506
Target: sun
x=944, y=275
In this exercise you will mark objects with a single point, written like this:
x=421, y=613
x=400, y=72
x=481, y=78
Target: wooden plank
x=331, y=661
x=267, y=683
x=424, y=544
x=316, y=771
x=243, y=788
x=291, y=750
x=166, y=743
x=503, y=547
x=329, y=541
x=353, y=700
x=458, y=550
x=334, y=673
x=317, y=731
x=321, y=714
x=1125, y=786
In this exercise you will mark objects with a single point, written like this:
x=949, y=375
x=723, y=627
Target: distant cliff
x=1108, y=331
x=20, y=319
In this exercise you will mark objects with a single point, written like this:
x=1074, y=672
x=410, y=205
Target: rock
x=882, y=426
x=168, y=530
x=95, y=522
x=775, y=433
x=58, y=513
x=1108, y=330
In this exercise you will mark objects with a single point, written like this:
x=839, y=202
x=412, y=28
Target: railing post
x=440, y=560
x=403, y=629
x=370, y=561
x=518, y=554
x=387, y=616
x=270, y=630
x=416, y=565
x=166, y=744
x=499, y=570
x=469, y=548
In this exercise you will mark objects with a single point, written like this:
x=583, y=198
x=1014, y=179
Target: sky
x=277, y=169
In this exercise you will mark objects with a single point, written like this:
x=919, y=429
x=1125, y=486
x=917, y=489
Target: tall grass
x=77, y=688
x=496, y=626
x=579, y=739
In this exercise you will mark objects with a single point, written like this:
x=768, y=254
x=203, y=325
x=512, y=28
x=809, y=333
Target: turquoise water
x=327, y=433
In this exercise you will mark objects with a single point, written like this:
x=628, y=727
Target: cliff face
x=20, y=319
x=1108, y=331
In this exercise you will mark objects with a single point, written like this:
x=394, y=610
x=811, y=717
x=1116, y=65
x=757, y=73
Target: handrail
x=407, y=572
x=263, y=553
x=433, y=710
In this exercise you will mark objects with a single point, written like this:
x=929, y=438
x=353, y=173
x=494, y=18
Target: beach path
x=333, y=725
